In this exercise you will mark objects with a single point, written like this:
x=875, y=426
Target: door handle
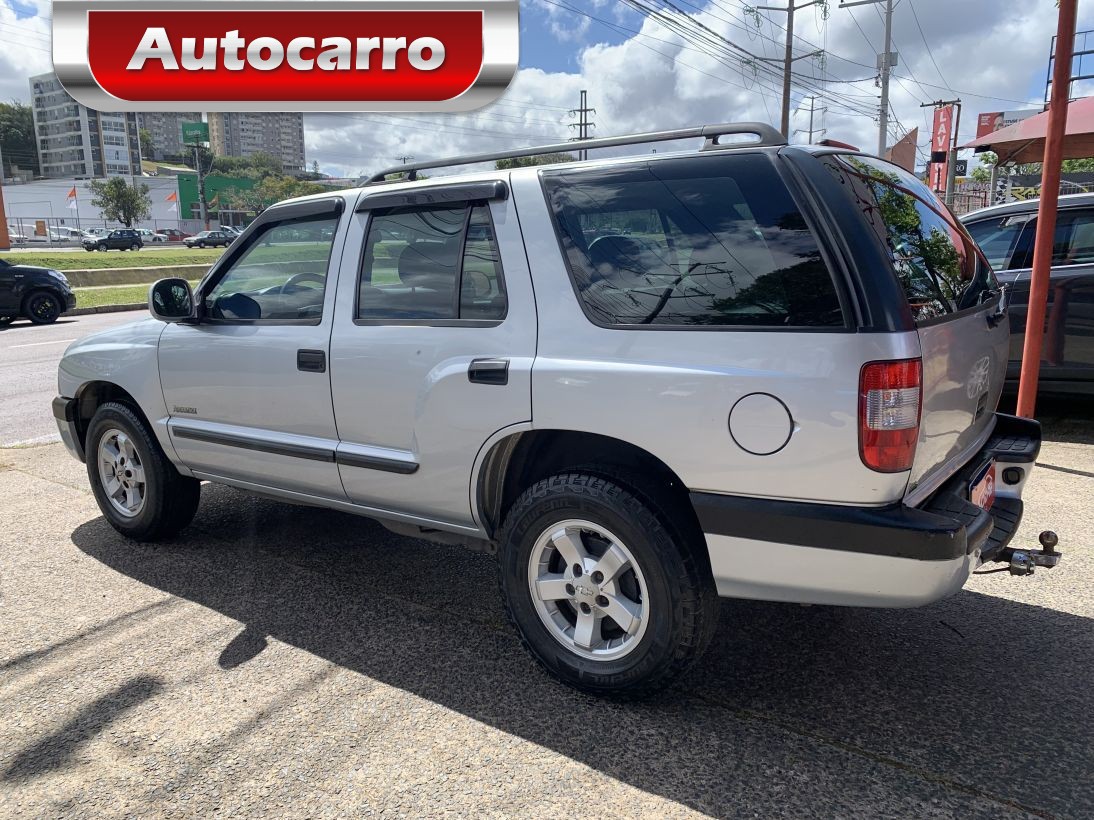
x=311, y=361
x=488, y=371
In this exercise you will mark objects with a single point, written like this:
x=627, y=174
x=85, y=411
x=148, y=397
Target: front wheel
x=42, y=308
x=137, y=488
x=606, y=594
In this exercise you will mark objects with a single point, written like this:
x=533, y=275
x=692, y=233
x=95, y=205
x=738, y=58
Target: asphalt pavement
x=293, y=661
x=28, y=372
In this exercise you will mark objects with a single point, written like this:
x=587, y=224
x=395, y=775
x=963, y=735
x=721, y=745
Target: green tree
x=17, y=142
x=268, y=192
x=256, y=166
x=119, y=201
x=982, y=172
x=528, y=162
x=148, y=146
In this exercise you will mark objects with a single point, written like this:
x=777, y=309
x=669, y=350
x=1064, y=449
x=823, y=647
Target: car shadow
x=978, y=696
x=27, y=323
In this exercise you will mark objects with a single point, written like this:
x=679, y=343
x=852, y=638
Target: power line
x=926, y=45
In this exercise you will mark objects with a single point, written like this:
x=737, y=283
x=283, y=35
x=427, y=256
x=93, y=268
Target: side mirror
x=171, y=300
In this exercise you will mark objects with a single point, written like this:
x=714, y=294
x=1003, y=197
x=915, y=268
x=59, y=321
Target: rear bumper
x=65, y=414
x=869, y=556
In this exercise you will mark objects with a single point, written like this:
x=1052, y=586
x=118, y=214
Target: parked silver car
x=758, y=371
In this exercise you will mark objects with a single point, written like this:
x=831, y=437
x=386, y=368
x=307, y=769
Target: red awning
x=1025, y=141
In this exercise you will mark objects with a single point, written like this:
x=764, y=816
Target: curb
x=105, y=309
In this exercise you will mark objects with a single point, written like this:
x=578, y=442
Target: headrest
x=430, y=264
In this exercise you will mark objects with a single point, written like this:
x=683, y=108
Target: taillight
x=890, y=397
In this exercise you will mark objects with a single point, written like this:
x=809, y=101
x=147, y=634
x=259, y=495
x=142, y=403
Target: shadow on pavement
x=979, y=695
x=56, y=750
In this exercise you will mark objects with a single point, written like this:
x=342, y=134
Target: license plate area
x=982, y=487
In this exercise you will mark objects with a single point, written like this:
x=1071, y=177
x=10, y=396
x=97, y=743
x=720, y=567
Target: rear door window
x=697, y=242
x=935, y=259
x=1004, y=240
x=1074, y=240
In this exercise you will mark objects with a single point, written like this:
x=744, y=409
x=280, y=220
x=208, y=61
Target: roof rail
x=767, y=136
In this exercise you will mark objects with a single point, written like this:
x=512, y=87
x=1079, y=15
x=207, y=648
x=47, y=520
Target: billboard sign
x=195, y=132
x=943, y=123
x=992, y=121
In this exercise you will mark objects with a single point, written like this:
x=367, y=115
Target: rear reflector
x=890, y=397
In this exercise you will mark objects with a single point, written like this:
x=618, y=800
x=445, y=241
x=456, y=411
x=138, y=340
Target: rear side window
x=934, y=258
x=1003, y=239
x=693, y=242
x=432, y=263
x=1074, y=240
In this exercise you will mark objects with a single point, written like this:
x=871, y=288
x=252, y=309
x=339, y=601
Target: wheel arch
x=92, y=395
x=521, y=458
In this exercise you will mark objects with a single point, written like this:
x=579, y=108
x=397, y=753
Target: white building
x=76, y=141
x=240, y=134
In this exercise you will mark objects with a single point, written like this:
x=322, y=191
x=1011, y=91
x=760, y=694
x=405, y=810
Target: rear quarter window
x=696, y=242
x=938, y=265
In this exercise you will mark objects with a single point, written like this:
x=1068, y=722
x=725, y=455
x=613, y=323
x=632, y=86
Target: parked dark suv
x=122, y=239
x=1005, y=234
x=38, y=294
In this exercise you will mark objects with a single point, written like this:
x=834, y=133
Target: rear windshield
x=692, y=242
x=936, y=261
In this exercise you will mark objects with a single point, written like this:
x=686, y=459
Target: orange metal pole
x=5, y=237
x=1046, y=210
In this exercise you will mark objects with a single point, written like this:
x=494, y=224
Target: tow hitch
x=1023, y=562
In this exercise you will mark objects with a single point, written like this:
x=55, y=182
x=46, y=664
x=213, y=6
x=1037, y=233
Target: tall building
x=166, y=130
x=240, y=134
x=75, y=141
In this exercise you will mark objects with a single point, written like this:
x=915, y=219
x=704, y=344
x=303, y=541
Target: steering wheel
x=295, y=280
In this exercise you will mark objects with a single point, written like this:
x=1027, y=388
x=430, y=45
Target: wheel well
x=93, y=395
x=522, y=459
x=42, y=289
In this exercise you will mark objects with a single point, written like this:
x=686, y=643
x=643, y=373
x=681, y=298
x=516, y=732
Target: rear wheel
x=138, y=489
x=605, y=595
x=42, y=307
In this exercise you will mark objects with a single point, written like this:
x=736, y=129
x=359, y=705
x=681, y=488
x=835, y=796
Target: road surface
x=28, y=372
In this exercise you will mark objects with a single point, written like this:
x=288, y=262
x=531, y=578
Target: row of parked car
x=133, y=239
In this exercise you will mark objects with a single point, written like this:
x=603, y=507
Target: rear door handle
x=311, y=361
x=488, y=371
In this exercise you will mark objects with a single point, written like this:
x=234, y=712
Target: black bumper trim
x=64, y=409
x=894, y=531
x=946, y=527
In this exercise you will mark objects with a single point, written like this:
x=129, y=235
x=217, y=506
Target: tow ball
x=1023, y=562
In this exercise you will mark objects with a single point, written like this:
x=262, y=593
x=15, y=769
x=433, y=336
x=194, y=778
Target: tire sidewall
x=651, y=546
x=29, y=305
x=110, y=417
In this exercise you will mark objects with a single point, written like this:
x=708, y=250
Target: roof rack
x=767, y=136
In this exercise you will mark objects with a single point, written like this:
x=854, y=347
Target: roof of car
x=1028, y=206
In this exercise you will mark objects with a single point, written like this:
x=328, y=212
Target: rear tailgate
x=955, y=302
x=964, y=365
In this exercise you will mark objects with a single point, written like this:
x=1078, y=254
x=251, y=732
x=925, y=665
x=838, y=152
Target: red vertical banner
x=941, y=137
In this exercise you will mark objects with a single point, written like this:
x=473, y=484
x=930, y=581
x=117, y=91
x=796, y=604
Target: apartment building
x=166, y=130
x=240, y=134
x=76, y=141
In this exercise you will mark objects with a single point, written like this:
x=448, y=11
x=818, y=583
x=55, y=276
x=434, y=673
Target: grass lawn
x=120, y=295
x=82, y=260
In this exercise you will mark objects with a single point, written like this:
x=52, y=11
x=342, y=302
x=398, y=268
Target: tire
x=42, y=307
x=663, y=582
x=134, y=247
x=167, y=500
x=101, y=246
x=201, y=244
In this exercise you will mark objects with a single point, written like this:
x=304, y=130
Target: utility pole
x=583, y=123
x=789, y=59
x=951, y=150
x=405, y=158
x=886, y=60
x=203, y=207
x=812, y=110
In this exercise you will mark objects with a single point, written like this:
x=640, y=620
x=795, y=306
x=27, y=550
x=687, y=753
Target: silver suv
x=753, y=370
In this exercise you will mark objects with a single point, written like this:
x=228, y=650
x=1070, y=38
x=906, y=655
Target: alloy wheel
x=121, y=472
x=588, y=590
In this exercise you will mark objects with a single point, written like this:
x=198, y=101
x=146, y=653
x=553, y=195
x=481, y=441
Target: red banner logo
x=326, y=55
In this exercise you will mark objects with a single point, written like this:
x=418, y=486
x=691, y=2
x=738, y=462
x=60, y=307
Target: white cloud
x=993, y=53
x=24, y=46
